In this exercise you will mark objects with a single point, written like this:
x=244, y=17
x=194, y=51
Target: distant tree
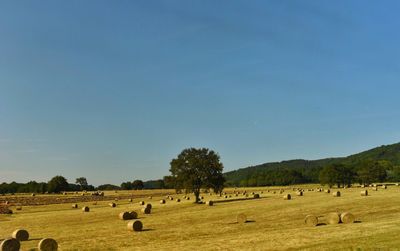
x=108, y=187
x=370, y=171
x=82, y=182
x=57, y=184
x=337, y=174
x=126, y=185
x=195, y=169
x=137, y=184
x=170, y=183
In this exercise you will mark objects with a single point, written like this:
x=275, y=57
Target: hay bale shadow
x=321, y=224
x=147, y=229
x=357, y=221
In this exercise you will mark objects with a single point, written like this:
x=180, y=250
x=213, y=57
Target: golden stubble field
x=273, y=223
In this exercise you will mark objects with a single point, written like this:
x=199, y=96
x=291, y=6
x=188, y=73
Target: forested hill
x=304, y=171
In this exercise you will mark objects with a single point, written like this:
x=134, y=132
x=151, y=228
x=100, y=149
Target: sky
x=114, y=90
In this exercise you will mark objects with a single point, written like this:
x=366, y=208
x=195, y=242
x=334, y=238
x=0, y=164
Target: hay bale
x=171, y=198
x=10, y=244
x=327, y=190
x=178, y=200
x=311, y=220
x=362, y=186
x=336, y=194
x=136, y=225
x=299, y=193
x=85, y=209
x=241, y=218
x=347, y=218
x=48, y=244
x=125, y=216
x=209, y=203
x=384, y=186
x=146, y=210
x=226, y=196
x=333, y=218
x=256, y=196
x=148, y=205
x=74, y=205
x=187, y=198
x=287, y=197
x=142, y=203
x=150, y=197
x=130, y=200
x=112, y=204
x=33, y=195
x=364, y=193
x=20, y=235
x=162, y=201
x=375, y=189
x=18, y=208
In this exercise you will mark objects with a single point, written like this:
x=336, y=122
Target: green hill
x=304, y=171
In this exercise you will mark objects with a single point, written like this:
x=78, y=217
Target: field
x=273, y=223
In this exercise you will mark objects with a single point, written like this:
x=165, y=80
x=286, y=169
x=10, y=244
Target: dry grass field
x=273, y=223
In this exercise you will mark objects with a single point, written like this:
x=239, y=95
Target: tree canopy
x=194, y=169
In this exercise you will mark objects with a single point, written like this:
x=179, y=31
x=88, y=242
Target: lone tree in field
x=57, y=184
x=194, y=169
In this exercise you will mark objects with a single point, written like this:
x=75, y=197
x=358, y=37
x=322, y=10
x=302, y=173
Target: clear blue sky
x=113, y=90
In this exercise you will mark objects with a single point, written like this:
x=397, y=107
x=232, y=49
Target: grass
x=274, y=223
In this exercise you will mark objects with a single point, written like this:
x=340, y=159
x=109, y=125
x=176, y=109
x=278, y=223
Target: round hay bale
x=142, y=203
x=48, y=244
x=162, y=201
x=148, y=205
x=384, y=186
x=287, y=197
x=10, y=244
x=136, y=225
x=299, y=193
x=226, y=196
x=18, y=208
x=187, y=198
x=241, y=218
x=333, y=218
x=209, y=203
x=150, y=197
x=171, y=198
x=125, y=216
x=362, y=186
x=130, y=200
x=327, y=190
x=178, y=200
x=112, y=204
x=311, y=220
x=146, y=210
x=74, y=205
x=201, y=197
x=347, y=217
x=85, y=209
x=364, y=193
x=20, y=235
x=133, y=215
x=33, y=195
x=256, y=196
x=336, y=194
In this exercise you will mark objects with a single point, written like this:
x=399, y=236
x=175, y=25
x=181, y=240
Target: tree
x=194, y=169
x=372, y=171
x=82, y=182
x=57, y=184
x=338, y=174
x=126, y=185
x=137, y=185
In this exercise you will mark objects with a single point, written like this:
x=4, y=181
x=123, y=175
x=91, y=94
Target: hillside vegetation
x=307, y=171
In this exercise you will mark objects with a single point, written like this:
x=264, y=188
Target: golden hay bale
x=20, y=235
x=148, y=205
x=171, y=198
x=130, y=200
x=150, y=197
x=141, y=203
x=226, y=196
x=162, y=201
x=287, y=197
x=136, y=225
x=18, y=208
x=209, y=203
x=146, y=210
x=85, y=209
x=187, y=198
x=10, y=244
x=112, y=204
x=178, y=200
x=375, y=189
x=133, y=214
x=384, y=186
x=347, y=217
x=362, y=186
x=327, y=190
x=201, y=197
x=48, y=244
x=336, y=194
x=299, y=193
x=333, y=218
x=33, y=195
x=241, y=218
x=256, y=196
x=364, y=193
x=74, y=205
x=311, y=220
x=125, y=216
